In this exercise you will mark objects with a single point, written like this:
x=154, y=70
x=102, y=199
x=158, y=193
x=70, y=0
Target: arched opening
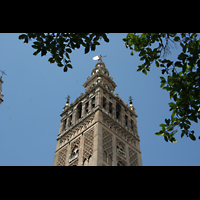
x=70, y=120
x=120, y=163
x=126, y=120
x=104, y=102
x=87, y=107
x=104, y=157
x=79, y=110
x=118, y=111
x=131, y=124
x=110, y=160
x=90, y=161
x=85, y=162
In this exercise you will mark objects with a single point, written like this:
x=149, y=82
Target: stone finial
x=68, y=98
x=130, y=99
x=67, y=102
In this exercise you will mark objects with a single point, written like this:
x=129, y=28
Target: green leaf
x=70, y=66
x=169, y=64
x=105, y=38
x=36, y=52
x=177, y=38
x=96, y=43
x=67, y=55
x=166, y=139
x=175, y=97
x=182, y=56
x=93, y=47
x=184, y=68
x=172, y=116
x=171, y=104
x=162, y=84
x=162, y=79
x=87, y=49
x=167, y=121
x=34, y=46
x=144, y=71
x=178, y=64
x=162, y=125
x=22, y=36
x=51, y=60
x=157, y=64
x=43, y=52
x=184, y=49
x=68, y=50
x=192, y=137
x=60, y=65
x=158, y=133
x=131, y=53
x=65, y=68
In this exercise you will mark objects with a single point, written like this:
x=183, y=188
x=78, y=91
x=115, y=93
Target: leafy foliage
x=60, y=45
x=183, y=76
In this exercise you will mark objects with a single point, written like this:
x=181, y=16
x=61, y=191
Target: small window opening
x=118, y=111
x=131, y=124
x=70, y=120
x=104, y=102
x=79, y=107
x=126, y=120
x=86, y=107
x=93, y=102
x=110, y=107
x=64, y=124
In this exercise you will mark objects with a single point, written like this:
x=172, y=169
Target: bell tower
x=98, y=129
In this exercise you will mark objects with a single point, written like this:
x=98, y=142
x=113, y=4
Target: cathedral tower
x=98, y=129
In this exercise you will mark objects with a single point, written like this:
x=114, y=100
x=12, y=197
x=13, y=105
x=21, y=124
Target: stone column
x=68, y=154
x=122, y=115
x=74, y=117
x=97, y=99
x=83, y=110
x=127, y=154
x=80, y=156
x=97, y=151
x=61, y=127
x=67, y=123
x=114, y=108
x=114, y=151
x=90, y=105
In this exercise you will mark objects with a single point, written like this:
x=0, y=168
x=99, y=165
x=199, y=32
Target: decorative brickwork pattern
x=133, y=158
x=121, y=162
x=88, y=144
x=107, y=143
x=62, y=157
x=74, y=151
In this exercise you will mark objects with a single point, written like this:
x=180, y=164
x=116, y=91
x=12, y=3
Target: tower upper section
x=100, y=67
x=100, y=75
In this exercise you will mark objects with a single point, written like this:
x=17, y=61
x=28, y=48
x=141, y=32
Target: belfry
x=98, y=129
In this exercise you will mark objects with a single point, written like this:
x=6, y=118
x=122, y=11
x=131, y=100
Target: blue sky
x=34, y=94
